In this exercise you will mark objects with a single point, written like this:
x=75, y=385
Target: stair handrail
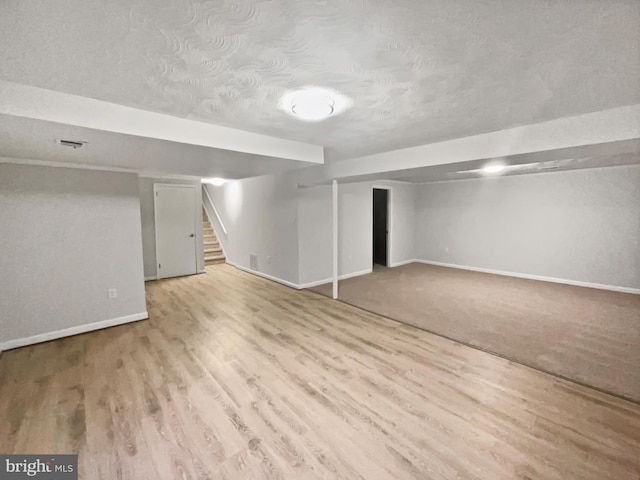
x=215, y=210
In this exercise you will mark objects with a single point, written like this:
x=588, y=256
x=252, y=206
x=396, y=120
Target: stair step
x=214, y=262
x=213, y=259
x=212, y=250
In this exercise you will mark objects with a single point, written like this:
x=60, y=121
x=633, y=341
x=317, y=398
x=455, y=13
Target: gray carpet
x=587, y=335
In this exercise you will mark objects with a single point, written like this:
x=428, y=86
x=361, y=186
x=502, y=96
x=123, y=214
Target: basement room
x=248, y=239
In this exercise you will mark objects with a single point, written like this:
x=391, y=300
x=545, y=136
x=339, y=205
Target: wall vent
x=253, y=261
x=71, y=143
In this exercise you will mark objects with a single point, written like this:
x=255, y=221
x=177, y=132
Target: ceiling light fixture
x=493, y=168
x=312, y=107
x=314, y=104
x=214, y=181
x=532, y=167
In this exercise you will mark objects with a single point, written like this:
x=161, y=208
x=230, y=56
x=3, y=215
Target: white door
x=175, y=207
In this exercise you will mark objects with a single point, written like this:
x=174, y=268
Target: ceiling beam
x=41, y=104
x=604, y=127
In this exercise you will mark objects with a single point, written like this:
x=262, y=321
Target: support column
x=334, y=189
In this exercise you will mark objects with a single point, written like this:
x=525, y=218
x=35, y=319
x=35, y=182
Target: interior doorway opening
x=380, y=226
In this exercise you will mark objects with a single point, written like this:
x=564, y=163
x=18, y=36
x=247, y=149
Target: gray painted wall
x=403, y=211
x=261, y=215
x=355, y=205
x=315, y=235
x=575, y=225
x=149, y=225
x=67, y=236
x=355, y=224
x=354, y=228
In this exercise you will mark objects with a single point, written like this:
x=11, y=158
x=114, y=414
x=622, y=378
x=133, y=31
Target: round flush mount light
x=314, y=104
x=214, y=181
x=493, y=168
x=312, y=107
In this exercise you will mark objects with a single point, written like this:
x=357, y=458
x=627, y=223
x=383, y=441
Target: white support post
x=334, y=189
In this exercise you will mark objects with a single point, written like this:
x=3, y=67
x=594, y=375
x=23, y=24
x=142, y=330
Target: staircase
x=212, y=250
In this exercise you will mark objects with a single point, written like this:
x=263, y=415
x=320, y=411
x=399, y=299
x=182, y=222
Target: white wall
x=355, y=228
x=260, y=215
x=575, y=225
x=66, y=237
x=355, y=240
x=355, y=205
x=149, y=227
x=315, y=234
x=403, y=211
x=271, y=217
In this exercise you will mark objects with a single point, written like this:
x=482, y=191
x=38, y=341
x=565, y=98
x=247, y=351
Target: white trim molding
x=67, y=332
x=302, y=286
x=150, y=278
x=215, y=210
x=295, y=285
x=541, y=278
x=265, y=275
x=403, y=262
x=329, y=280
x=344, y=276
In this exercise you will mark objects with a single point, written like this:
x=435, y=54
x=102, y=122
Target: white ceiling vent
x=71, y=143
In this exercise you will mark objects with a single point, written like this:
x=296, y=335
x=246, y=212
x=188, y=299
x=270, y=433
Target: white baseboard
x=302, y=286
x=295, y=285
x=541, y=278
x=355, y=274
x=154, y=277
x=264, y=275
x=330, y=279
x=67, y=332
x=403, y=262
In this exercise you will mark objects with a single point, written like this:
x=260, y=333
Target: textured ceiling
x=418, y=71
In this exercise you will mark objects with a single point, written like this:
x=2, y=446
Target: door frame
x=389, y=221
x=155, y=221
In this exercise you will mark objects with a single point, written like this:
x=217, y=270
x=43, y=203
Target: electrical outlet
x=269, y=259
x=113, y=293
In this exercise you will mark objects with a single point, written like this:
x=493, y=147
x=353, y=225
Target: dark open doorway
x=380, y=225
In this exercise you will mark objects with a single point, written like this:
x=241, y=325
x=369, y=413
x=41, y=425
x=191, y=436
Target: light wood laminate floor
x=237, y=377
